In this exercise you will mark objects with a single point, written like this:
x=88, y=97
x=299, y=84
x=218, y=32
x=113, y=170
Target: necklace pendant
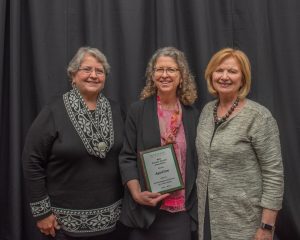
x=102, y=146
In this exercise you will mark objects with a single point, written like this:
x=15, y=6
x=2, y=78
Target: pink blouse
x=176, y=201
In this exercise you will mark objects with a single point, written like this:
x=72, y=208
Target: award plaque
x=161, y=170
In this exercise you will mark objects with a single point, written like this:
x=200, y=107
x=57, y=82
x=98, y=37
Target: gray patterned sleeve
x=266, y=143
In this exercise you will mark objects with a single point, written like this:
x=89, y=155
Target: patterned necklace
x=218, y=120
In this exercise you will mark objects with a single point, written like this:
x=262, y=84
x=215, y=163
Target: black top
x=82, y=190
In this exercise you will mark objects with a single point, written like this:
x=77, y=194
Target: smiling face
x=227, y=78
x=166, y=76
x=90, y=77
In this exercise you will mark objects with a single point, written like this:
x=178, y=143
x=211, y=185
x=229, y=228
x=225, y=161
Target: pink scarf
x=169, y=124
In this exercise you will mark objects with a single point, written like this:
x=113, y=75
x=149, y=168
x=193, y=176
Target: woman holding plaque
x=71, y=157
x=240, y=177
x=164, y=115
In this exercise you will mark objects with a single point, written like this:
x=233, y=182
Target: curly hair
x=186, y=91
x=242, y=60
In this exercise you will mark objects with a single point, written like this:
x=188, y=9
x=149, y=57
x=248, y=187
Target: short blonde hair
x=242, y=60
x=187, y=91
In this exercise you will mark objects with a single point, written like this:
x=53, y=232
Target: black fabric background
x=39, y=37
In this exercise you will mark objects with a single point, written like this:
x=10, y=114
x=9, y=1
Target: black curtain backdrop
x=39, y=37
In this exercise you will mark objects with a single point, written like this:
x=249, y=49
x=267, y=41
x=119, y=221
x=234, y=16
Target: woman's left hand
x=269, y=217
x=263, y=234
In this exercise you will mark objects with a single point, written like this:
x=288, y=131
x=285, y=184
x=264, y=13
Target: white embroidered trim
x=97, y=135
x=84, y=221
x=41, y=207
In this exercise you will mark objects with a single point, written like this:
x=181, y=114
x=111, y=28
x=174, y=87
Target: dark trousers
x=175, y=226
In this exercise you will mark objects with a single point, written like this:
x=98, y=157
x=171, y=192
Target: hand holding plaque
x=161, y=170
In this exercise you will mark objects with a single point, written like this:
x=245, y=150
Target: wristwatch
x=267, y=226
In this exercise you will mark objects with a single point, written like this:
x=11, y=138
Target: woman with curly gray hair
x=164, y=115
x=186, y=90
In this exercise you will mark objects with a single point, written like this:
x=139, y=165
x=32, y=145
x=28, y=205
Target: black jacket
x=141, y=133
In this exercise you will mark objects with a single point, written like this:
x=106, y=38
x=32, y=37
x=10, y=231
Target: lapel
x=186, y=120
x=188, y=123
x=150, y=125
x=151, y=136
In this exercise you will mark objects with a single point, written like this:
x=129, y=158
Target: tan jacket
x=240, y=167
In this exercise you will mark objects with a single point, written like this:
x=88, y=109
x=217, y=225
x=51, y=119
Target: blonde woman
x=240, y=175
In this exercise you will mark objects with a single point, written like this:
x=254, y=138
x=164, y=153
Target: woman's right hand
x=48, y=225
x=149, y=198
x=144, y=198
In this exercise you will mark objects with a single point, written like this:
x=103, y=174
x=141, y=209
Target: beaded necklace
x=218, y=120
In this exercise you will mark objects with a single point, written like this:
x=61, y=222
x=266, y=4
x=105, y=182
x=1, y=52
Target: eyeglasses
x=169, y=71
x=89, y=70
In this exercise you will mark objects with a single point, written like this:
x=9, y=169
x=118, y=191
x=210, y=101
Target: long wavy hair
x=186, y=91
